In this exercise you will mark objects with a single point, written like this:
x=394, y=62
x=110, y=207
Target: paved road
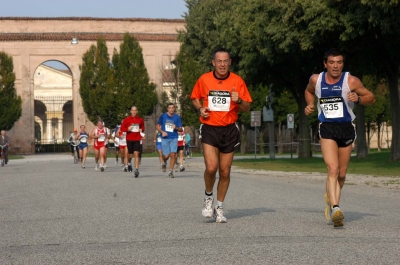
x=54, y=212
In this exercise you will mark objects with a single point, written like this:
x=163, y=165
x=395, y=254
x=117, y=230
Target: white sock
x=219, y=204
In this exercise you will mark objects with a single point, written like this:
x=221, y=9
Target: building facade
x=33, y=41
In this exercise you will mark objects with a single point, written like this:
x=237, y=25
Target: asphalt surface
x=54, y=212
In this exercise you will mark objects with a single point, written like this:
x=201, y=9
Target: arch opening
x=53, y=102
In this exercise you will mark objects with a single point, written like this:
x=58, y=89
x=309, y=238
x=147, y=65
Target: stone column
x=48, y=129
x=60, y=129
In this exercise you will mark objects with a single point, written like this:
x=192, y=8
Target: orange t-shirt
x=216, y=94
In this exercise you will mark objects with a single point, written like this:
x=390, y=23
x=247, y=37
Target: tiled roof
x=96, y=19
x=85, y=36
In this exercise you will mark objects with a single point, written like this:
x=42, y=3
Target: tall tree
x=96, y=84
x=189, y=71
x=10, y=102
x=109, y=89
x=133, y=83
x=375, y=24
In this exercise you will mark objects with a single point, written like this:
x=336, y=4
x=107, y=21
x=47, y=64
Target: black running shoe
x=136, y=173
x=130, y=168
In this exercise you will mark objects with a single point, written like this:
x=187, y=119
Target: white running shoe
x=208, y=209
x=219, y=215
x=96, y=168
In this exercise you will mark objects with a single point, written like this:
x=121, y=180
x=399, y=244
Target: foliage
x=95, y=90
x=109, y=89
x=10, y=102
x=132, y=79
x=282, y=42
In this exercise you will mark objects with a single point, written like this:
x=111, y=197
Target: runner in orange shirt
x=218, y=96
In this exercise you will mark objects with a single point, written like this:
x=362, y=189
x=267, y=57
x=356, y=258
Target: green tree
x=375, y=24
x=209, y=24
x=189, y=70
x=109, y=89
x=263, y=38
x=132, y=80
x=10, y=102
x=97, y=84
x=376, y=114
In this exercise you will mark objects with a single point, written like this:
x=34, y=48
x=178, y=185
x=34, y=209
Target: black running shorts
x=133, y=146
x=225, y=138
x=180, y=148
x=343, y=133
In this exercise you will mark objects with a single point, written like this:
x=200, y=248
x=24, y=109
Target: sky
x=94, y=8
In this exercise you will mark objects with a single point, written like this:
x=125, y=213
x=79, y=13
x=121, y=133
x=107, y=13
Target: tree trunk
x=304, y=131
x=379, y=136
x=361, y=140
x=261, y=140
x=393, y=78
x=279, y=138
x=243, y=138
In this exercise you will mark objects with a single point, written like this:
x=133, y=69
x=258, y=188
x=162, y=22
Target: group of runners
x=218, y=96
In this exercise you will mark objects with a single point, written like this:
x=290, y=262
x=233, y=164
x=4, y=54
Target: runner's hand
x=309, y=109
x=234, y=95
x=204, y=112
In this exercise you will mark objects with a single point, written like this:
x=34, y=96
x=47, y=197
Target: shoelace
x=208, y=203
x=220, y=211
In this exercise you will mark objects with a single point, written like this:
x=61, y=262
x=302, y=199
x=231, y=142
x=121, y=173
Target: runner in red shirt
x=218, y=96
x=99, y=134
x=133, y=126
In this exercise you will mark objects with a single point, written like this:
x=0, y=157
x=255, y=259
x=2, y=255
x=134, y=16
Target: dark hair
x=333, y=52
x=169, y=104
x=220, y=49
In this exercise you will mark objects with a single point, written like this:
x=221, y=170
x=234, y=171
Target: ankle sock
x=209, y=194
x=335, y=206
x=219, y=204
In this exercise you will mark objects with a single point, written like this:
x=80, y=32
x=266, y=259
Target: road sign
x=290, y=121
x=268, y=114
x=255, y=118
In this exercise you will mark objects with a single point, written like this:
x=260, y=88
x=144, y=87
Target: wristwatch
x=239, y=101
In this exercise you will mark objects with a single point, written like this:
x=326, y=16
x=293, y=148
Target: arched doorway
x=53, y=103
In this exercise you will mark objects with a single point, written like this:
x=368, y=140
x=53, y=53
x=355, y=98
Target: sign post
x=290, y=125
x=255, y=121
